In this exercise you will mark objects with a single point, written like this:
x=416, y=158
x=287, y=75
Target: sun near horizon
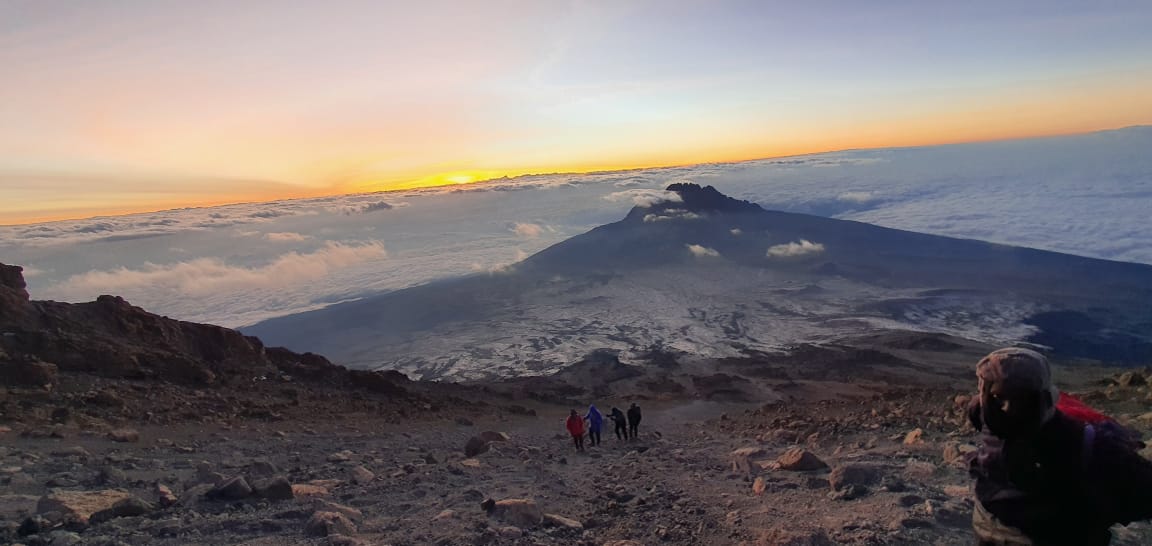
x=140, y=106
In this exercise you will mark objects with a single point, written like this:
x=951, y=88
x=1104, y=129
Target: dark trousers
x=621, y=431
x=579, y=441
x=594, y=436
x=632, y=428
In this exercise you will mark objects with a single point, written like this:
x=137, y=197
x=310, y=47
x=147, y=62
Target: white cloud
x=802, y=248
x=645, y=197
x=211, y=275
x=31, y=271
x=366, y=207
x=859, y=197
x=672, y=214
x=286, y=237
x=530, y=231
x=736, y=231
x=702, y=251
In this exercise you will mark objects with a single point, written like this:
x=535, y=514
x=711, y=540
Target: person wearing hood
x=634, y=420
x=621, y=423
x=575, y=426
x=595, y=422
x=1042, y=477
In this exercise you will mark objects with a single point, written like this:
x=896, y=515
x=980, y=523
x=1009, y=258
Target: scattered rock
x=562, y=522
x=475, y=446
x=353, y=514
x=129, y=507
x=234, y=489
x=341, y=457
x=445, y=515
x=759, y=486
x=863, y=474
x=522, y=512
x=914, y=437
x=1131, y=380
x=360, y=475
x=164, y=495
x=323, y=524
x=741, y=458
x=307, y=490
x=493, y=436
x=275, y=489
x=28, y=372
x=80, y=505
x=72, y=451
x=800, y=459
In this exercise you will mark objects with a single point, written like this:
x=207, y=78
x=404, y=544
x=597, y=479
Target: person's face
x=1012, y=411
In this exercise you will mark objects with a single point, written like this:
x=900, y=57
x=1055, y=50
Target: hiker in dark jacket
x=621, y=423
x=633, y=420
x=1043, y=478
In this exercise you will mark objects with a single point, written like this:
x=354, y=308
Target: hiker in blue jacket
x=595, y=422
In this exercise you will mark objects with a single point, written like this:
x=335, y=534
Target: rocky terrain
x=176, y=433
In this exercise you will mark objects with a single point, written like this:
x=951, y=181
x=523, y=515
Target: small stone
x=522, y=512
x=493, y=436
x=306, y=490
x=446, y=514
x=509, y=532
x=759, y=486
x=124, y=435
x=349, y=512
x=562, y=522
x=164, y=495
x=741, y=458
x=360, y=475
x=914, y=437
x=854, y=474
x=341, y=457
x=73, y=451
x=850, y=492
x=323, y=524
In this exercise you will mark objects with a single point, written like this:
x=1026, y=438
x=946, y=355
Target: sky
x=239, y=264
x=116, y=106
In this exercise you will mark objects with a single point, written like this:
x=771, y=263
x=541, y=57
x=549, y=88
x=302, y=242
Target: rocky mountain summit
x=712, y=276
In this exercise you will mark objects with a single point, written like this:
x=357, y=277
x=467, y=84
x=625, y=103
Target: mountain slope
x=715, y=277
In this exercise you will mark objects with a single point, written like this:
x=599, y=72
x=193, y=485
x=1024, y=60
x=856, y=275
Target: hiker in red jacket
x=575, y=426
x=1042, y=477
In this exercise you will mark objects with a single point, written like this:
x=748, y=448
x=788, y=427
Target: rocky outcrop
x=113, y=338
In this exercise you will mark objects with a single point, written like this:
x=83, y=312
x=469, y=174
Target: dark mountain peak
x=697, y=198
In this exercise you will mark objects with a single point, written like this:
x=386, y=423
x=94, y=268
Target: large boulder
x=518, y=512
x=234, y=489
x=80, y=505
x=275, y=488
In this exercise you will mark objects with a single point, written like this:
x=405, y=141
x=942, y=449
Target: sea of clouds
x=238, y=264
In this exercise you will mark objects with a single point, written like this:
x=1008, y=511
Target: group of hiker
x=627, y=426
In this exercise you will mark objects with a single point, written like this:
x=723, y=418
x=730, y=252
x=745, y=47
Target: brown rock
x=859, y=474
x=129, y=507
x=790, y=537
x=759, y=486
x=360, y=475
x=563, y=522
x=353, y=514
x=164, y=495
x=306, y=490
x=80, y=505
x=342, y=540
x=323, y=524
x=914, y=437
x=522, y=512
x=741, y=458
x=124, y=435
x=801, y=460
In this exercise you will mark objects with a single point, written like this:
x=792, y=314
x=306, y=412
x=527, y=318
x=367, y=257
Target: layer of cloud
x=530, y=231
x=702, y=251
x=859, y=197
x=645, y=197
x=365, y=208
x=206, y=276
x=286, y=237
x=672, y=214
x=803, y=247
